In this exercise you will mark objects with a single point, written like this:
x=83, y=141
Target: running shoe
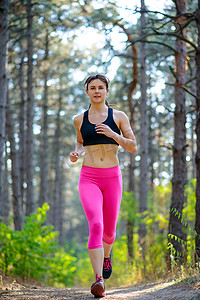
x=98, y=288
x=107, y=267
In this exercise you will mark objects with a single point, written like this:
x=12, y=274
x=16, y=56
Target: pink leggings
x=100, y=191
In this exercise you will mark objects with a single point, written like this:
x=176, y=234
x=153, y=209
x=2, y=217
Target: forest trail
x=155, y=290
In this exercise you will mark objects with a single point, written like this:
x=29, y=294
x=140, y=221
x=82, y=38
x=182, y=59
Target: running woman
x=100, y=130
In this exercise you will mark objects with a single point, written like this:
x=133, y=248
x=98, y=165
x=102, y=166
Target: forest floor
x=155, y=290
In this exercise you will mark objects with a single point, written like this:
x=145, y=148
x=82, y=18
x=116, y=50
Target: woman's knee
x=109, y=238
x=96, y=228
x=95, y=235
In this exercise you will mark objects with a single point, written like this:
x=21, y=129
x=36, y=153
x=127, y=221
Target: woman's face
x=97, y=91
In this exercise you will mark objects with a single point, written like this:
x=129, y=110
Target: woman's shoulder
x=119, y=114
x=78, y=119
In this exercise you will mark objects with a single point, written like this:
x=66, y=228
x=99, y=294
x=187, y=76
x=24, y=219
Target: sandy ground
x=155, y=290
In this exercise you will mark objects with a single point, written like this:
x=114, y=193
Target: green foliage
x=61, y=269
x=129, y=206
x=189, y=207
x=188, y=211
x=123, y=273
x=84, y=274
x=156, y=240
x=190, y=228
x=33, y=252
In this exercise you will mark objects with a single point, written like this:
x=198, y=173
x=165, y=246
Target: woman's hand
x=105, y=129
x=73, y=156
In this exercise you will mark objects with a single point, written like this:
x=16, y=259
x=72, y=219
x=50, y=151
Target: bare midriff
x=101, y=156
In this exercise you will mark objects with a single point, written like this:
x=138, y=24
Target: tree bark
x=57, y=181
x=192, y=148
x=30, y=107
x=15, y=171
x=3, y=84
x=197, y=157
x=61, y=208
x=179, y=149
x=143, y=184
x=131, y=188
x=44, y=144
x=22, y=128
x=5, y=191
x=152, y=151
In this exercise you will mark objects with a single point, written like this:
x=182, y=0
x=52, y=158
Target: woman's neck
x=98, y=108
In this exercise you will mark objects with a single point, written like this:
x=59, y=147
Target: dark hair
x=101, y=77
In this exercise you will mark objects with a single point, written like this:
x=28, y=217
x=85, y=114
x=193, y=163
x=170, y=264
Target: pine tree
x=143, y=185
x=197, y=157
x=3, y=84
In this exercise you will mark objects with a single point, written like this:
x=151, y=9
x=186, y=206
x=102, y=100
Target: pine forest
x=150, y=51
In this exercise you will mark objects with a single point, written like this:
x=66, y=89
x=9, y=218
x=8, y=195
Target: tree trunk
x=192, y=149
x=129, y=229
x=30, y=107
x=15, y=171
x=56, y=193
x=197, y=157
x=5, y=192
x=152, y=155
x=22, y=128
x=131, y=187
x=143, y=185
x=3, y=84
x=179, y=149
x=44, y=144
x=51, y=192
x=61, y=208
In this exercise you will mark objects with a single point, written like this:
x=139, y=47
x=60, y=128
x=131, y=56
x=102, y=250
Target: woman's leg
x=112, y=198
x=96, y=258
x=92, y=201
x=107, y=249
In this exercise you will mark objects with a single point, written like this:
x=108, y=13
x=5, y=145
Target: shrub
x=33, y=252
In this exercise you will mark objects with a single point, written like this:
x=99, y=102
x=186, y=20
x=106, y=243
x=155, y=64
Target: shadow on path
x=163, y=291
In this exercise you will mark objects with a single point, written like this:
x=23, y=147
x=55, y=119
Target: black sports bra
x=89, y=134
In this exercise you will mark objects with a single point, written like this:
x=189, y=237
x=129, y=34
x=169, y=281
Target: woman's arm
x=79, y=149
x=128, y=140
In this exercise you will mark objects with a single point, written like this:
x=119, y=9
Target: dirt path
x=164, y=290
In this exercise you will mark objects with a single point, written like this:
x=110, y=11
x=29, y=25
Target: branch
x=191, y=80
x=160, y=43
x=142, y=40
x=189, y=92
x=182, y=26
x=173, y=73
x=182, y=86
x=187, y=15
x=179, y=37
x=165, y=146
x=123, y=55
x=156, y=12
x=163, y=25
x=122, y=7
x=169, y=84
x=174, y=18
x=188, y=22
x=168, y=109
